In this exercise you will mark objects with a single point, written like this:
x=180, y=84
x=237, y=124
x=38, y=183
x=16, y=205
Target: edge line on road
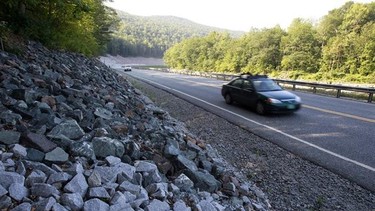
x=266, y=126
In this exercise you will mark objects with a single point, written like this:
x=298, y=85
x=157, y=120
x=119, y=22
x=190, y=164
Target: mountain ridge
x=151, y=36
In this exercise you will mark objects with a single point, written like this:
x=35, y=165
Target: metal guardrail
x=339, y=88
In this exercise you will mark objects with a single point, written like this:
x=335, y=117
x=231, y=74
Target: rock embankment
x=74, y=135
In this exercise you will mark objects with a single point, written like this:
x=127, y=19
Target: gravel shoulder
x=290, y=182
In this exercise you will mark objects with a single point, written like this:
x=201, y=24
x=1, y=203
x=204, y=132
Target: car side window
x=247, y=85
x=237, y=83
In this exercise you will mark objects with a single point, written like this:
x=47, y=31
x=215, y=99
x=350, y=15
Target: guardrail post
x=314, y=89
x=338, y=93
x=370, y=97
x=294, y=87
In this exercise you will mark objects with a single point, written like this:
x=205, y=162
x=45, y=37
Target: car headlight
x=298, y=99
x=273, y=101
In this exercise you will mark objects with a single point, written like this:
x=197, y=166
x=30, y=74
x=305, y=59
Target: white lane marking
x=266, y=126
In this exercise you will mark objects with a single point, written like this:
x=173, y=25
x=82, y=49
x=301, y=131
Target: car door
x=249, y=94
x=235, y=90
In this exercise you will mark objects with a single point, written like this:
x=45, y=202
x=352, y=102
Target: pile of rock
x=74, y=135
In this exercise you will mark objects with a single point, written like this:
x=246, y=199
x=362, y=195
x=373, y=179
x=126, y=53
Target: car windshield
x=266, y=85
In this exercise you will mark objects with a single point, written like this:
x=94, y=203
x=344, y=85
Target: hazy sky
x=234, y=14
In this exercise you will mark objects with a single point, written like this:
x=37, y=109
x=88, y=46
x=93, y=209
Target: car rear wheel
x=228, y=99
x=260, y=108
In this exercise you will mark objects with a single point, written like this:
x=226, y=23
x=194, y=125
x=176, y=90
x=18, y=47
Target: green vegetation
x=341, y=47
x=152, y=36
x=75, y=25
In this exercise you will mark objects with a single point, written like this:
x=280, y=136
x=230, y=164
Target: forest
x=340, y=47
x=151, y=36
x=83, y=26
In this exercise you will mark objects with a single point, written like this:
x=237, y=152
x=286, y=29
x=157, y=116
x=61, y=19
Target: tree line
x=152, y=36
x=340, y=47
x=82, y=26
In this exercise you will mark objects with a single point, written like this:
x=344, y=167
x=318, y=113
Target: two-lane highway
x=338, y=134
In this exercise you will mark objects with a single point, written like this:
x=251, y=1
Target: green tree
x=301, y=47
x=77, y=25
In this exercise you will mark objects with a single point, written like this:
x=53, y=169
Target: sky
x=241, y=15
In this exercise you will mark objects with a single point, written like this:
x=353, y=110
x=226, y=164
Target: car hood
x=278, y=94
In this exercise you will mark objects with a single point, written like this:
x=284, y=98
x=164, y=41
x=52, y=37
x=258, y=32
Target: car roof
x=250, y=76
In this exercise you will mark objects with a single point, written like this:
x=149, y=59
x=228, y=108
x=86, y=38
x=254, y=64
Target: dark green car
x=260, y=93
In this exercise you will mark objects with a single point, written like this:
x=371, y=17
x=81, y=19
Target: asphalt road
x=338, y=134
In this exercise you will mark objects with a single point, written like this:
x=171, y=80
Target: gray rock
x=95, y=204
x=77, y=185
x=10, y=118
x=3, y=191
x=22, y=207
x=203, y=180
x=230, y=189
x=45, y=204
x=103, y=113
x=158, y=190
x=110, y=174
x=8, y=178
x=36, y=176
x=180, y=206
x=121, y=207
x=61, y=141
x=40, y=142
x=58, y=177
x=57, y=155
x=9, y=137
x=171, y=150
x=151, y=177
x=94, y=179
x=119, y=198
x=58, y=207
x=104, y=146
x=18, y=191
x=44, y=190
x=128, y=186
x=9, y=164
x=75, y=168
x=20, y=168
x=73, y=201
x=112, y=160
x=132, y=150
x=40, y=166
x=5, y=202
x=184, y=183
x=98, y=192
x=185, y=163
x=34, y=155
x=144, y=166
x=206, y=205
x=5, y=156
x=67, y=128
x=156, y=205
x=82, y=148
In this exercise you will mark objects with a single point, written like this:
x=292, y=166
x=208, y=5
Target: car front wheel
x=228, y=99
x=260, y=108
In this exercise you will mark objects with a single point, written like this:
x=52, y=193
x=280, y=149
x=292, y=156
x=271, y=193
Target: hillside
x=151, y=36
x=75, y=135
